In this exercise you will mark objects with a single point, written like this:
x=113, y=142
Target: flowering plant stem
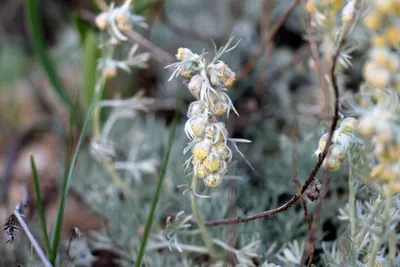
x=380, y=238
x=352, y=213
x=97, y=135
x=204, y=233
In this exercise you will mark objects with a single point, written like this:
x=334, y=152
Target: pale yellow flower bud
x=202, y=149
x=110, y=71
x=373, y=21
x=184, y=54
x=200, y=170
x=348, y=12
x=310, y=6
x=349, y=125
x=122, y=16
x=213, y=179
x=102, y=20
x=338, y=152
x=376, y=75
x=195, y=85
x=212, y=162
x=331, y=164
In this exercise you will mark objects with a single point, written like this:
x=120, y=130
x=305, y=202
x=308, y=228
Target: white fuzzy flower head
x=348, y=12
x=344, y=137
x=208, y=83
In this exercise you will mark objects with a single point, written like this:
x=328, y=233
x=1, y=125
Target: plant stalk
x=204, y=233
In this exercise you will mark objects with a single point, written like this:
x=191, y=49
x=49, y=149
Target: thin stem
x=392, y=248
x=156, y=194
x=380, y=237
x=31, y=238
x=352, y=213
x=204, y=233
x=371, y=216
x=96, y=124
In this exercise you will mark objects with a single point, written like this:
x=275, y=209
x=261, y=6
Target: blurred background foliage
x=278, y=94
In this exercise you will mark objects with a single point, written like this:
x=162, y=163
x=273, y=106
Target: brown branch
x=298, y=187
x=309, y=248
x=266, y=42
x=314, y=171
x=157, y=53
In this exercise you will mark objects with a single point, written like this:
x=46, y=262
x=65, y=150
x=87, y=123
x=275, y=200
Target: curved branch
x=314, y=171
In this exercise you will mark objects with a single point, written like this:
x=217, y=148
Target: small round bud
x=338, y=152
x=122, y=16
x=229, y=78
x=200, y=170
x=310, y=6
x=395, y=187
x=384, y=6
x=349, y=125
x=102, y=20
x=392, y=35
x=195, y=108
x=377, y=171
x=222, y=150
x=378, y=41
x=331, y=164
x=219, y=109
x=184, y=54
x=195, y=85
x=376, y=75
x=202, y=149
x=212, y=162
x=110, y=71
x=373, y=21
x=322, y=142
x=213, y=179
x=197, y=125
x=367, y=126
x=348, y=12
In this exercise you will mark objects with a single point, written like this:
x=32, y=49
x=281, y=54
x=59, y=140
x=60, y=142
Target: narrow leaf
x=40, y=207
x=159, y=185
x=35, y=29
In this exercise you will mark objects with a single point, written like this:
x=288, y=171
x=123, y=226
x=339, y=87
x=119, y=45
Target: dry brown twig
x=314, y=171
x=309, y=248
x=298, y=187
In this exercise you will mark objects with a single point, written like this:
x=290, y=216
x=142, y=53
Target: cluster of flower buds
x=342, y=140
x=382, y=126
x=324, y=12
x=208, y=83
x=328, y=17
x=117, y=21
x=381, y=69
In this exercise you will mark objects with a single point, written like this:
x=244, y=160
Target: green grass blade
x=35, y=29
x=56, y=235
x=40, y=205
x=91, y=53
x=158, y=189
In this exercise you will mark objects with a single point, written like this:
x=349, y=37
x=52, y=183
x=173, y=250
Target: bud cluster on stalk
x=382, y=126
x=342, y=140
x=116, y=22
x=381, y=70
x=208, y=83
